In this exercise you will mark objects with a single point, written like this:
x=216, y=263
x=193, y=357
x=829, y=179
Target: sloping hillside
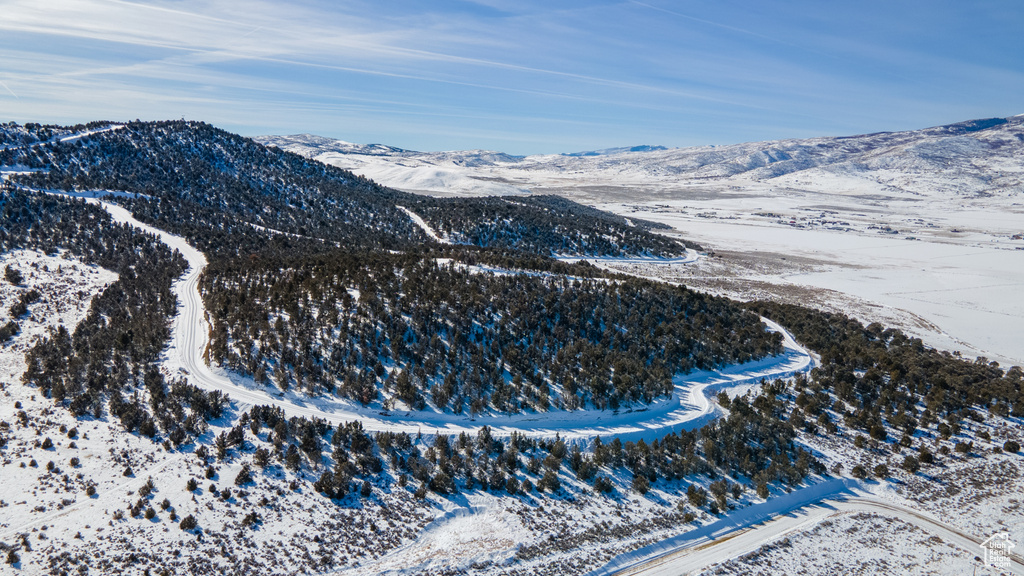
x=116, y=462
x=206, y=183
x=963, y=159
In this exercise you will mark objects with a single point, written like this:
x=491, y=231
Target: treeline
x=14, y=135
x=877, y=379
x=49, y=223
x=880, y=376
x=109, y=361
x=752, y=444
x=414, y=329
x=542, y=225
x=195, y=180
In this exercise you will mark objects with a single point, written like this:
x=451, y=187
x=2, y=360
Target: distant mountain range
x=972, y=158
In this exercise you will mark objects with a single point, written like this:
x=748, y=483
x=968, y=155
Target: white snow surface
x=60, y=136
x=955, y=290
x=66, y=286
x=854, y=542
x=471, y=531
x=482, y=528
x=419, y=221
x=956, y=160
x=944, y=512
x=460, y=537
x=435, y=173
x=789, y=515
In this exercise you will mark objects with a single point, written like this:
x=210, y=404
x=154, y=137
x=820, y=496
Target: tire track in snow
x=107, y=496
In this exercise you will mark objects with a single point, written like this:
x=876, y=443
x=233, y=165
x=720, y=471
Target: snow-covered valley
x=68, y=502
x=918, y=493
x=956, y=291
x=923, y=230
x=480, y=531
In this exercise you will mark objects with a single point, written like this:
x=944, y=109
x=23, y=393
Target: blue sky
x=521, y=77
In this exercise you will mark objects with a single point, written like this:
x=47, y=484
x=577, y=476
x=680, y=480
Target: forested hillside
x=318, y=283
x=110, y=358
x=202, y=182
x=873, y=376
x=413, y=329
x=321, y=281
x=13, y=135
x=542, y=224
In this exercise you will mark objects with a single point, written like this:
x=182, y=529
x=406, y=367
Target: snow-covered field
x=44, y=500
x=841, y=534
x=819, y=236
x=956, y=291
x=930, y=522
x=855, y=543
x=392, y=532
x=66, y=287
x=50, y=503
x=920, y=230
x=66, y=527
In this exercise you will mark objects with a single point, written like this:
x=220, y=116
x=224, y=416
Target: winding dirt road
x=689, y=407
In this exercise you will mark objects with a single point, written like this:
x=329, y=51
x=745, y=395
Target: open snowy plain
x=956, y=290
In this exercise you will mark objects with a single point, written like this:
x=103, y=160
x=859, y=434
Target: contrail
x=9, y=89
x=711, y=23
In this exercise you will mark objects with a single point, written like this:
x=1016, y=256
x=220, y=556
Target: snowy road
x=690, y=257
x=746, y=530
x=688, y=408
x=419, y=221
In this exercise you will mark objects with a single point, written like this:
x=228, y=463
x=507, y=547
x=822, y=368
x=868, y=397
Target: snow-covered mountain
x=308, y=144
x=977, y=157
x=430, y=172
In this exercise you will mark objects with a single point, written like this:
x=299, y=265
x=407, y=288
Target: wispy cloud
x=287, y=41
x=611, y=70
x=709, y=22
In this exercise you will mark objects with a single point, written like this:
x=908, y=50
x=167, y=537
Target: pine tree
x=244, y=476
x=13, y=275
x=188, y=523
